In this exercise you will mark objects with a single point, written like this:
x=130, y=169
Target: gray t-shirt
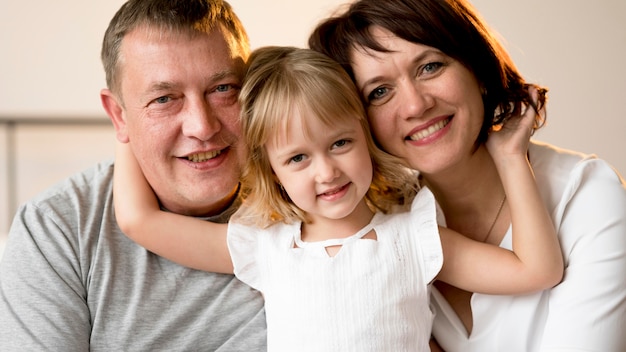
x=70, y=280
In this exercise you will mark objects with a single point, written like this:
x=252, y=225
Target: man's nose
x=200, y=121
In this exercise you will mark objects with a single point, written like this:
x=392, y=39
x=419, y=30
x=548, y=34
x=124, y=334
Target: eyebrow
x=160, y=86
x=223, y=74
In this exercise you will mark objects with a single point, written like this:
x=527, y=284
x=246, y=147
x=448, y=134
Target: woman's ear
x=115, y=110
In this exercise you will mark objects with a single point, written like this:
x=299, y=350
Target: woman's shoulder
x=547, y=156
x=552, y=162
x=560, y=173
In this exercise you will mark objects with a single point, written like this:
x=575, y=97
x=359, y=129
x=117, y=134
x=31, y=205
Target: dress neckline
x=333, y=241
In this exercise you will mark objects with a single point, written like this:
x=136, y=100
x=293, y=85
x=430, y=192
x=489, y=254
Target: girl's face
x=423, y=105
x=326, y=171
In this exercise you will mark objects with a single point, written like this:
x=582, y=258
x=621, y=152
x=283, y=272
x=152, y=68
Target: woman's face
x=423, y=105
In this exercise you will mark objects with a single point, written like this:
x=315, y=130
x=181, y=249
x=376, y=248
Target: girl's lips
x=334, y=193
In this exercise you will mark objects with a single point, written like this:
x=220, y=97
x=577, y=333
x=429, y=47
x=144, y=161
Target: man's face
x=181, y=117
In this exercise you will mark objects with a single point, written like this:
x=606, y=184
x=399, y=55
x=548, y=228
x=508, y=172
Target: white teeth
x=200, y=157
x=430, y=130
x=330, y=192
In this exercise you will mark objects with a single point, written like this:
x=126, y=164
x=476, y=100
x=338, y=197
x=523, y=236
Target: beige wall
x=578, y=49
x=50, y=68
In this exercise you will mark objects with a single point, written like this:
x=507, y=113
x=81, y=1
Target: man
x=70, y=280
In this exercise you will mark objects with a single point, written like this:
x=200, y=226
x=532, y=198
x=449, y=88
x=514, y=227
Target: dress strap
x=333, y=241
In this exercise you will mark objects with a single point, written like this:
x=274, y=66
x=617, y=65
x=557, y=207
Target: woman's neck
x=466, y=191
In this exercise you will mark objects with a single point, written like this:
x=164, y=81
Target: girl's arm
x=536, y=262
x=185, y=240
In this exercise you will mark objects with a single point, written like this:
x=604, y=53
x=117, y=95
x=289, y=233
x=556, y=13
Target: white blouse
x=587, y=310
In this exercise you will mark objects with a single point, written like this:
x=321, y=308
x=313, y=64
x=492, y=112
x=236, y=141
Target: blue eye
x=223, y=87
x=162, y=100
x=432, y=67
x=296, y=159
x=340, y=143
x=377, y=93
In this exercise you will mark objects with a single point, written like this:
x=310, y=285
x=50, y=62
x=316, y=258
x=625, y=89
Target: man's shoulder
x=93, y=182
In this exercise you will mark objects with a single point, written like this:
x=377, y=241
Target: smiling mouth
x=200, y=157
x=333, y=191
x=429, y=131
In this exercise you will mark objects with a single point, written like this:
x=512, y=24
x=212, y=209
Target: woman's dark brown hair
x=452, y=26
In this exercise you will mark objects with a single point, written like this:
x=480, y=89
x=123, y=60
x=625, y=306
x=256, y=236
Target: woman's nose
x=415, y=100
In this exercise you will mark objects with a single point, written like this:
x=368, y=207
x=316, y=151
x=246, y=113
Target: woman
x=435, y=82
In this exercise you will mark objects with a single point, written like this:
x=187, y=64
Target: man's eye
x=162, y=100
x=224, y=88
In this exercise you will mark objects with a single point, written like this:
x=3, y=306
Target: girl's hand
x=133, y=198
x=513, y=137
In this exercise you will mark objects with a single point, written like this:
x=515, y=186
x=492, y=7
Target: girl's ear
x=281, y=189
x=275, y=178
x=115, y=111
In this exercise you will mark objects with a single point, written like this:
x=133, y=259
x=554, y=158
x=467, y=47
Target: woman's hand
x=513, y=137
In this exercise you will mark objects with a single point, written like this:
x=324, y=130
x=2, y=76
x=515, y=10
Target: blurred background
x=52, y=124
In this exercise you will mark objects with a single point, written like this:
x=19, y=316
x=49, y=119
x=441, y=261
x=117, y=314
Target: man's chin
x=207, y=202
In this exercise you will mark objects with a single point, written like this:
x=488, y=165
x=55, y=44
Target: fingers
x=538, y=103
x=532, y=113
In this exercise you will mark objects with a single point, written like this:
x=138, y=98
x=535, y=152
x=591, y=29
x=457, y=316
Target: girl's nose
x=326, y=170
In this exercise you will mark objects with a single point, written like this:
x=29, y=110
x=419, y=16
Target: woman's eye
x=432, y=67
x=377, y=93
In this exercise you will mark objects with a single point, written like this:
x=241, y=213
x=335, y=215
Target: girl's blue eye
x=296, y=159
x=340, y=143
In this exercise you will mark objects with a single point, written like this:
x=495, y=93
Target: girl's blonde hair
x=281, y=80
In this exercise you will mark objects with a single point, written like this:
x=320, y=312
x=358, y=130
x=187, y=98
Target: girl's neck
x=322, y=228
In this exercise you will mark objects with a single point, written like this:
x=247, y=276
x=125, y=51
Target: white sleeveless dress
x=373, y=295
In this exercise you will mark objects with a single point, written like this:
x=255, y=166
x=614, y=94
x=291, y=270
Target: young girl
x=323, y=232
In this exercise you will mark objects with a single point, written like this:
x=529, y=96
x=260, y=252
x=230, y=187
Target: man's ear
x=115, y=111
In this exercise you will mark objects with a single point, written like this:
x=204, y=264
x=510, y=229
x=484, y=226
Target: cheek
x=366, y=170
x=231, y=119
x=382, y=128
x=152, y=141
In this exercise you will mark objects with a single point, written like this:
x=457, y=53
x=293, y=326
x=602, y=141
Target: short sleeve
x=424, y=222
x=243, y=244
